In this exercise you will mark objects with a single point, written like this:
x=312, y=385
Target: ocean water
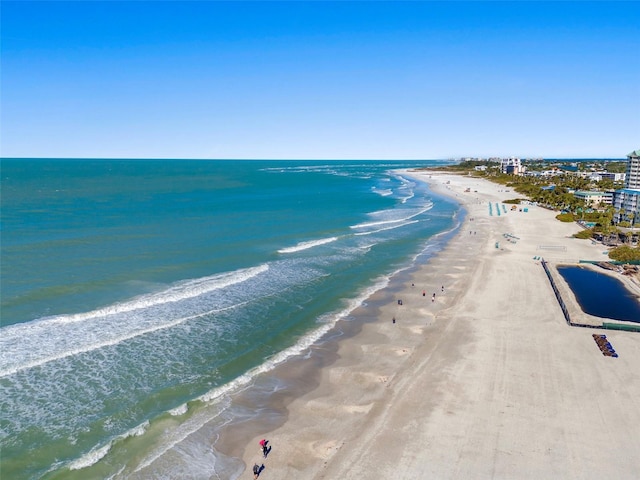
x=141, y=299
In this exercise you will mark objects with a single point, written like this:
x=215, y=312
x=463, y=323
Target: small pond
x=601, y=295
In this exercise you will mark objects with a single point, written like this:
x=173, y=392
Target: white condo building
x=594, y=199
x=632, y=178
x=627, y=200
x=512, y=165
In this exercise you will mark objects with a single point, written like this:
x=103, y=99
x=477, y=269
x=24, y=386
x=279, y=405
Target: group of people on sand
x=265, y=449
x=433, y=297
x=424, y=294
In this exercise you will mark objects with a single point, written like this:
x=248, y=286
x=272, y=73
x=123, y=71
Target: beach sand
x=485, y=381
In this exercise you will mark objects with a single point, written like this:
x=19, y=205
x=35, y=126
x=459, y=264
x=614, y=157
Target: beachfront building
x=627, y=200
x=544, y=173
x=627, y=205
x=593, y=199
x=613, y=176
x=632, y=178
x=512, y=166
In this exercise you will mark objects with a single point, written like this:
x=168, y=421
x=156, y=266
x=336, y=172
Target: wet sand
x=486, y=380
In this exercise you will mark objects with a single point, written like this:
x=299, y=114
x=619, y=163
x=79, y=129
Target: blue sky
x=319, y=80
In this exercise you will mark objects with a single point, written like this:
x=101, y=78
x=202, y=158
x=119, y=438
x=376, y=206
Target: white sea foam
x=359, y=300
x=408, y=197
x=178, y=292
x=436, y=241
x=383, y=192
x=306, y=245
x=183, y=431
x=99, y=452
x=46, y=355
x=406, y=215
x=181, y=410
x=404, y=224
x=117, y=474
x=28, y=345
x=91, y=458
x=405, y=191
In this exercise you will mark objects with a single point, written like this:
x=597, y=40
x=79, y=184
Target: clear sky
x=319, y=80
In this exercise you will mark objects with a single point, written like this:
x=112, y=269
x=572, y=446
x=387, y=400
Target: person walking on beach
x=256, y=470
x=265, y=448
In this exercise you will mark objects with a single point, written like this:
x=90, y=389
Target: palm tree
x=607, y=220
x=621, y=214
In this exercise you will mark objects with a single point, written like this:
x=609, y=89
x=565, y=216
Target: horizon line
x=315, y=159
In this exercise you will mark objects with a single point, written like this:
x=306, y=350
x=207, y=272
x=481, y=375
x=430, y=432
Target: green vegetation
x=615, y=167
x=565, y=217
x=625, y=254
x=584, y=234
x=555, y=192
x=515, y=201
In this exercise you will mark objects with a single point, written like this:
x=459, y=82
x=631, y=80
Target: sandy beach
x=485, y=380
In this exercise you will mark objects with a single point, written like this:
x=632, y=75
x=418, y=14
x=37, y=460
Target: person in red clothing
x=265, y=448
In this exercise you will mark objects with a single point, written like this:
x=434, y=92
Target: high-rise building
x=627, y=200
x=512, y=166
x=632, y=179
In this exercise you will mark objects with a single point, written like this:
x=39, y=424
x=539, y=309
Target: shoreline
x=231, y=443
x=447, y=389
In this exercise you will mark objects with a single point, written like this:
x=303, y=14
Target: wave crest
x=306, y=245
x=27, y=345
x=98, y=453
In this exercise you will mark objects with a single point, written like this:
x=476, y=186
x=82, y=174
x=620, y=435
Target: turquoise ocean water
x=139, y=298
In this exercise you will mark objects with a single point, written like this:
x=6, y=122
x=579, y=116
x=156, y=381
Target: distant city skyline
x=320, y=80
